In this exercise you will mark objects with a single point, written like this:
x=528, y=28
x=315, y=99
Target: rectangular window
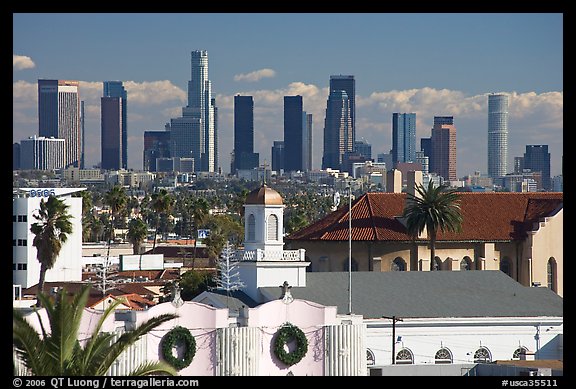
x=13, y=218
x=13, y=242
x=25, y=218
x=13, y=266
x=21, y=266
x=22, y=242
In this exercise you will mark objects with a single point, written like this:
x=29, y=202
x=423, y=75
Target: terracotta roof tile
x=491, y=216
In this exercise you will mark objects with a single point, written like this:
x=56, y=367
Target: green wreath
x=284, y=335
x=174, y=336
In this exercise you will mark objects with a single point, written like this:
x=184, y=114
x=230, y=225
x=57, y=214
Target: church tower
x=264, y=262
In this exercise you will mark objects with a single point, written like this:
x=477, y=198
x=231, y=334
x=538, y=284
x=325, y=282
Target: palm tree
x=50, y=233
x=161, y=203
x=137, y=232
x=198, y=212
x=57, y=351
x=116, y=199
x=434, y=209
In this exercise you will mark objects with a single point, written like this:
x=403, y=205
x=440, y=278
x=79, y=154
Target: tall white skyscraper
x=59, y=116
x=497, y=135
x=201, y=109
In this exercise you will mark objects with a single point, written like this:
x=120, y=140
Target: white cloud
x=154, y=92
x=256, y=75
x=21, y=62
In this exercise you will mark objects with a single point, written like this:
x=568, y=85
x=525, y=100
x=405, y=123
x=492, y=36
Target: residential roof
x=234, y=302
x=132, y=301
x=474, y=293
x=487, y=216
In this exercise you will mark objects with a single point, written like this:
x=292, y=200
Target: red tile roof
x=487, y=216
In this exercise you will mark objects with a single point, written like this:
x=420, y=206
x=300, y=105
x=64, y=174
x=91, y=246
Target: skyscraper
x=537, y=159
x=83, y=134
x=294, y=125
x=278, y=156
x=338, y=138
x=116, y=89
x=348, y=84
x=244, y=156
x=443, y=161
x=156, y=145
x=403, y=137
x=307, y=142
x=497, y=135
x=59, y=116
x=111, y=135
x=194, y=134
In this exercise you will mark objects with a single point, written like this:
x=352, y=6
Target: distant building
x=347, y=83
x=537, y=159
x=59, y=116
x=115, y=124
x=244, y=156
x=156, y=145
x=40, y=153
x=112, y=148
x=424, y=161
x=278, y=156
x=16, y=156
x=307, y=142
x=403, y=137
x=497, y=135
x=338, y=136
x=295, y=126
x=443, y=160
x=363, y=148
x=193, y=135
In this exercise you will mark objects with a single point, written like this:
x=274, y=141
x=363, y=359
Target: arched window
x=404, y=357
x=437, y=264
x=520, y=350
x=505, y=266
x=272, y=227
x=465, y=264
x=370, y=360
x=482, y=355
x=354, y=265
x=398, y=265
x=251, y=228
x=552, y=275
x=443, y=356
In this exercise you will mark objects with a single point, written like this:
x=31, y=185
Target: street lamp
x=350, y=249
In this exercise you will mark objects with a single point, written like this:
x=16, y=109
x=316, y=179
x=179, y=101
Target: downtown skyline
x=426, y=71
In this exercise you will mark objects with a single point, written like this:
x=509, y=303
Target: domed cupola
x=263, y=219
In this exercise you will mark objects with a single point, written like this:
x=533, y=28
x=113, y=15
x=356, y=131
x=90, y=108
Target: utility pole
x=394, y=320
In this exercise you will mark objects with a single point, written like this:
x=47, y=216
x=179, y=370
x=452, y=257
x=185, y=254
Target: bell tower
x=264, y=262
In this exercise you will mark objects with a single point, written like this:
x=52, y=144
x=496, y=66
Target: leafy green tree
x=57, y=351
x=50, y=231
x=433, y=209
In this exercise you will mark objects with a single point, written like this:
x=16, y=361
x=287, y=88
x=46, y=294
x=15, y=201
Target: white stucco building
x=25, y=265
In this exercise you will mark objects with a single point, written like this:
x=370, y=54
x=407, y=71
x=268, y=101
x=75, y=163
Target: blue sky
x=431, y=64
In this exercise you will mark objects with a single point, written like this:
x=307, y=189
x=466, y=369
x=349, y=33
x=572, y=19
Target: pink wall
x=202, y=321
x=309, y=317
